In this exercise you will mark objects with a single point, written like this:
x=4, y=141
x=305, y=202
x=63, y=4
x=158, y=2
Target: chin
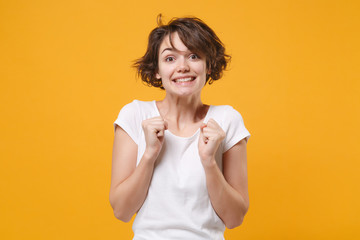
x=186, y=92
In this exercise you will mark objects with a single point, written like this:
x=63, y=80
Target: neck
x=182, y=109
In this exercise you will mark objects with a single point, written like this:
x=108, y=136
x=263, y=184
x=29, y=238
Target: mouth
x=184, y=79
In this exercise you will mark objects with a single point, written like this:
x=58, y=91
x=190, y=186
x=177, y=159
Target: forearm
x=127, y=197
x=228, y=203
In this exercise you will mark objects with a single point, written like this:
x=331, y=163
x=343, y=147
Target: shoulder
x=223, y=109
x=140, y=103
x=137, y=105
x=231, y=122
x=225, y=114
x=130, y=117
x=129, y=109
x=139, y=110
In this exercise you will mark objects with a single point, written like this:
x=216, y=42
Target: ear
x=157, y=75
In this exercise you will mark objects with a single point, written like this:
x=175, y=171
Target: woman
x=178, y=163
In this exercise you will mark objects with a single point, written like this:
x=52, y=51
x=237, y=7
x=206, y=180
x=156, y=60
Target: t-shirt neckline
x=185, y=138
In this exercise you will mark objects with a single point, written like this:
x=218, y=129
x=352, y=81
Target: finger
x=203, y=125
x=158, y=124
x=204, y=139
x=202, y=135
x=160, y=133
x=211, y=134
x=161, y=122
x=213, y=122
x=208, y=131
x=157, y=117
x=159, y=128
x=157, y=121
x=148, y=123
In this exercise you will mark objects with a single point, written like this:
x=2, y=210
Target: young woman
x=178, y=163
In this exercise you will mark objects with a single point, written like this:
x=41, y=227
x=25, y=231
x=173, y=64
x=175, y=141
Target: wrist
x=149, y=156
x=208, y=162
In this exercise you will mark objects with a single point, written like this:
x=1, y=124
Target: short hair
x=196, y=36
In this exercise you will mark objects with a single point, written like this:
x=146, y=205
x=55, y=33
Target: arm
x=229, y=191
x=130, y=183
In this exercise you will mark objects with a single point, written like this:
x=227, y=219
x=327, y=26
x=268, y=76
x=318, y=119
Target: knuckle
x=222, y=134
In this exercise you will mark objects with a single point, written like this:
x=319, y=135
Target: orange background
x=65, y=74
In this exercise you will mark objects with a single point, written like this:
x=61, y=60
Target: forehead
x=177, y=44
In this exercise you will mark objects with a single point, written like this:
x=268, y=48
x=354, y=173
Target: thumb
x=203, y=125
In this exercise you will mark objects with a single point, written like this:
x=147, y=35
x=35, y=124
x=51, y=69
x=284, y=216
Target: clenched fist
x=154, y=135
x=211, y=135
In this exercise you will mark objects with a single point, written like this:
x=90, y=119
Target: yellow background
x=65, y=74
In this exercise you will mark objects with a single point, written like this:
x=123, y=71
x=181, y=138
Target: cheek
x=200, y=68
x=164, y=71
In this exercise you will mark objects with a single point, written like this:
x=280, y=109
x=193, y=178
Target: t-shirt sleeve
x=236, y=129
x=129, y=120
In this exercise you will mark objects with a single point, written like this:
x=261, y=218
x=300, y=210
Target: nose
x=183, y=65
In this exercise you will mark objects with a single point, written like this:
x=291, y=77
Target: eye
x=194, y=56
x=169, y=59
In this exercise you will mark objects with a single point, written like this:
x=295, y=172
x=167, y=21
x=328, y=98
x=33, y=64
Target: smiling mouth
x=187, y=79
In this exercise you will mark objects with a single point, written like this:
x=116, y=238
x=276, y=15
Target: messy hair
x=196, y=36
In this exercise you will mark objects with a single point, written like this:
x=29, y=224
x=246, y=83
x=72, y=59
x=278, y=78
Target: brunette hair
x=196, y=36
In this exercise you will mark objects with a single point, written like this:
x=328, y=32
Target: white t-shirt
x=178, y=205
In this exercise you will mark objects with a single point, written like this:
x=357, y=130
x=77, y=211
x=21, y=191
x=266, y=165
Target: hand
x=154, y=135
x=211, y=135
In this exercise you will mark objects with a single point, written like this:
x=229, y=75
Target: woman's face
x=182, y=72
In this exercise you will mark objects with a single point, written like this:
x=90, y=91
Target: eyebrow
x=170, y=49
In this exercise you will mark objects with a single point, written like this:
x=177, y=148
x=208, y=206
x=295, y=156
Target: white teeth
x=184, y=79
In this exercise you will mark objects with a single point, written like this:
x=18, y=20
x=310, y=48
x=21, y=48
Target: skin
x=182, y=113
